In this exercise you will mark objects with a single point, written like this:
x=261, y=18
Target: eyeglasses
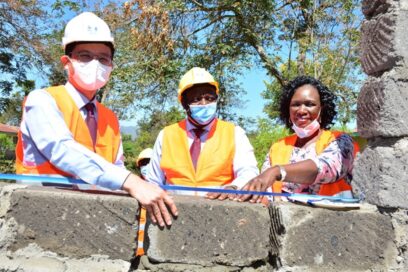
x=207, y=97
x=85, y=56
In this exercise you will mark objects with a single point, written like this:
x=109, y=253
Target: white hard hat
x=86, y=27
x=145, y=154
x=196, y=75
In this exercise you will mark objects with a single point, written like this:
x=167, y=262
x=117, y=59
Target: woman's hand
x=260, y=184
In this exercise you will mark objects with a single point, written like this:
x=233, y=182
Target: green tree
x=323, y=42
x=30, y=36
x=287, y=38
x=6, y=146
x=151, y=56
x=266, y=134
x=20, y=51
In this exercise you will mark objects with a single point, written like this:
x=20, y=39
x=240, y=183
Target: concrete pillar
x=380, y=173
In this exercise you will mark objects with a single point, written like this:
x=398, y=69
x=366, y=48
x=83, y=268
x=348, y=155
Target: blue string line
x=70, y=181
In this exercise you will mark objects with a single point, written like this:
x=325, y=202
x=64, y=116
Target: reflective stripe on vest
x=108, y=134
x=281, y=152
x=215, y=163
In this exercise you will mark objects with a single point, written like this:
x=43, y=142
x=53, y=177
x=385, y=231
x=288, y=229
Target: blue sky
x=253, y=84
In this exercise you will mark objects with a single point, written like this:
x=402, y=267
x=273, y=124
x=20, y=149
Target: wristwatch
x=282, y=173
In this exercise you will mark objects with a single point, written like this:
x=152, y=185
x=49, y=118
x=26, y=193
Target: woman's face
x=304, y=106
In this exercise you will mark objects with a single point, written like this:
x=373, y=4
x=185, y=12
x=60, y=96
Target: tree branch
x=254, y=42
x=210, y=23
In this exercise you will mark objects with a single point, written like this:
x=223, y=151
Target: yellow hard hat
x=194, y=76
x=87, y=27
x=145, y=154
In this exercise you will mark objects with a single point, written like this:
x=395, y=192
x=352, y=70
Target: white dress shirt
x=46, y=137
x=244, y=163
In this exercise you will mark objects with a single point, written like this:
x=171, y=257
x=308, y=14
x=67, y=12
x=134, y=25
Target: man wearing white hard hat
x=202, y=150
x=65, y=131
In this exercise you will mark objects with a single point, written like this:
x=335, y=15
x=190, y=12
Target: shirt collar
x=190, y=126
x=79, y=99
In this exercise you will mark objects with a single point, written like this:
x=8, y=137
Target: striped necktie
x=91, y=121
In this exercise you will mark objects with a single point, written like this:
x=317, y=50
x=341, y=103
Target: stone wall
x=45, y=229
x=380, y=173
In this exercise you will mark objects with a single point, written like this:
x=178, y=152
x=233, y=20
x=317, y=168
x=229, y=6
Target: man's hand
x=260, y=184
x=153, y=198
x=221, y=196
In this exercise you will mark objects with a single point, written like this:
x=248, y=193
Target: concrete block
x=380, y=173
x=382, y=107
x=372, y=8
x=384, y=43
x=400, y=225
x=212, y=232
x=34, y=259
x=72, y=224
x=316, y=239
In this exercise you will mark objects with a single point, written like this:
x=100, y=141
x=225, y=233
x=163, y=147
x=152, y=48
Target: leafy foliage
x=267, y=134
x=6, y=147
x=19, y=52
x=158, y=40
x=321, y=38
x=287, y=38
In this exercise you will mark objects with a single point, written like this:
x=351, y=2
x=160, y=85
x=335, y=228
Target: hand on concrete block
x=156, y=201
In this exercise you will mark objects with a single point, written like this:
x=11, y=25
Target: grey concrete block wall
x=381, y=173
x=372, y=8
x=384, y=43
x=382, y=107
x=39, y=231
x=75, y=224
x=316, y=239
x=208, y=232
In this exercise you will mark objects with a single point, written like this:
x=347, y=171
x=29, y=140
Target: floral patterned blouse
x=334, y=163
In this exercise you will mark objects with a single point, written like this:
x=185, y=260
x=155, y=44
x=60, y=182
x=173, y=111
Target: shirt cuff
x=114, y=177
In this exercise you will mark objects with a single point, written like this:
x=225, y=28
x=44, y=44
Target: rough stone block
x=34, y=259
x=316, y=239
x=400, y=225
x=70, y=224
x=384, y=43
x=209, y=232
x=382, y=107
x=372, y=8
x=380, y=173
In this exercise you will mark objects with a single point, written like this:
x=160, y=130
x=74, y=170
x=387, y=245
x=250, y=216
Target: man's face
x=83, y=54
x=200, y=94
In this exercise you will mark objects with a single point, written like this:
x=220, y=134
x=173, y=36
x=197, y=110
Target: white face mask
x=144, y=170
x=91, y=75
x=308, y=130
x=203, y=114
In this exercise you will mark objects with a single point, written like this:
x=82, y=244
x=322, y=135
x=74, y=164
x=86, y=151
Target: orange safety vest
x=281, y=152
x=107, y=139
x=215, y=163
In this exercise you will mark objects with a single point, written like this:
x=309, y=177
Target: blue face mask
x=143, y=170
x=203, y=114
